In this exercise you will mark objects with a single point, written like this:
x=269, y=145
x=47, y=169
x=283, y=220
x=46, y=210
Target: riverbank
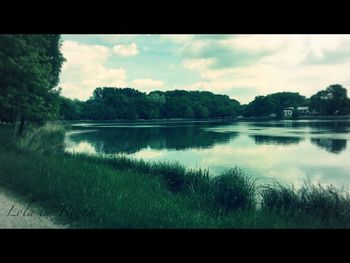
x=88, y=191
x=216, y=120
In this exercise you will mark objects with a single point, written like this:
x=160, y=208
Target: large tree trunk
x=15, y=124
x=15, y=130
x=21, y=126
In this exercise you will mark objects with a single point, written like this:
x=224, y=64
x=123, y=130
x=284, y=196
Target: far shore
x=224, y=119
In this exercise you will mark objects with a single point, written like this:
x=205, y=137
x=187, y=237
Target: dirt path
x=14, y=213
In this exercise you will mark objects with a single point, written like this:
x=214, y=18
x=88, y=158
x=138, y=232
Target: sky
x=240, y=66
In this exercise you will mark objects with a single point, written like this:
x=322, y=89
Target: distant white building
x=303, y=110
x=288, y=112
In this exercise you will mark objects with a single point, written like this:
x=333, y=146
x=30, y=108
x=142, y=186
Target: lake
x=287, y=151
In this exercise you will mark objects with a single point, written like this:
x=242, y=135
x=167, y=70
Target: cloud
x=178, y=39
x=227, y=51
x=255, y=43
x=114, y=38
x=147, y=85
x=126, y=50
x=85, y=70
x=72, y=90
x=333, y=51
x=105, y=77
x=198, y=63
x=250, y=65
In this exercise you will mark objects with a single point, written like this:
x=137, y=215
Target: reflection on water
x=282, y=140
x=131, y=140
x=284, y=150
x=330, y=145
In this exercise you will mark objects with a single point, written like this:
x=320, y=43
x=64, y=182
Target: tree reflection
x=330, y=145
x=131, y=140
x=277, y=140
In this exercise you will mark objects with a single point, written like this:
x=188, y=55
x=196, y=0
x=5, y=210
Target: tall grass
x=329, y=204
x=234, y=190
x=230, y=190
x=121, y=192
x=46, y=139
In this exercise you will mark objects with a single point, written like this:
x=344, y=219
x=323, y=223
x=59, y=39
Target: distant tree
x=260, y=106
x=70, y=109
x=296, y=113
x=332, y=101
x=200, y=111
x=108, y=103
x=282, y=100
x=274, y=103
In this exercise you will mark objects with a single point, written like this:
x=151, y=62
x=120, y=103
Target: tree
x=332, y=101
x=29, y=73
x=200, y=111
x=260, y=106
x=70, y=109
x=117, y=103
x=274, y=103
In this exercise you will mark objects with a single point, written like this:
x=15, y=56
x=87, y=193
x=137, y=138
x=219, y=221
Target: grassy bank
x=98, y=192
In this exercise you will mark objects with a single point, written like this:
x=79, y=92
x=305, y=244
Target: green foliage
x=329, y=204
x=296, y=113
x=70, y=109
x=260, y=106
x=47, y=139
x=273, y=103
x=234, y=190
x=117, y=103
x=332, y=101
x=30, y=67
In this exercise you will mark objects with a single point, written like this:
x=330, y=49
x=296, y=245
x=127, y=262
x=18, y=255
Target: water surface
x=288, y=151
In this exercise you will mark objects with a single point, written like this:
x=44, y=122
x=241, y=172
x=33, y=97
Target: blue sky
x=241, y=66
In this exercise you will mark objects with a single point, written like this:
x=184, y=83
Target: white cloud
x=255, y=43
x=297, y=63
x=147, y=85
x=106, y=77
x=85, y=70
x=198, y=63
x=113, y=38
x=72, y=90
x=178, y=39
x=195, y=47
x=126, y=50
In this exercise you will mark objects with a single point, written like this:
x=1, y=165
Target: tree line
x=110, y=103
x=331, y=101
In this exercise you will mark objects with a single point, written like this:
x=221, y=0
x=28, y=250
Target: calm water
x=284, y=150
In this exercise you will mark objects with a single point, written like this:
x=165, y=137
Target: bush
x=234, y=190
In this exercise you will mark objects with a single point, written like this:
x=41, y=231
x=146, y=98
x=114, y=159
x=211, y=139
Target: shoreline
x=237, y=119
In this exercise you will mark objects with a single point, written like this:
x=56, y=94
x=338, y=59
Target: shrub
x=234, y=190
